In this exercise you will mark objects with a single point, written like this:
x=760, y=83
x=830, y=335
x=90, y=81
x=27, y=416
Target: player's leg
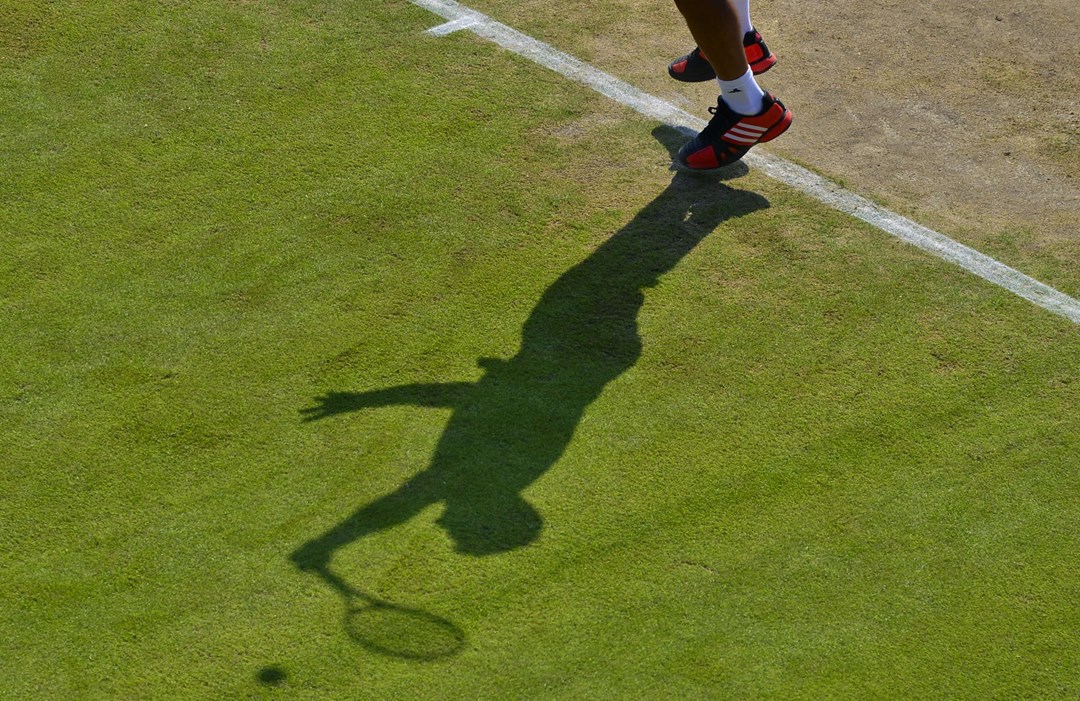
x=744, y=115
x=715, y=26
x=694, y=67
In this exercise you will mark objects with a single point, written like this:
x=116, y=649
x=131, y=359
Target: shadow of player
x=507, y=428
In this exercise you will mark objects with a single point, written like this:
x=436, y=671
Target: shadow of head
x=491, y=526
x=673, y=138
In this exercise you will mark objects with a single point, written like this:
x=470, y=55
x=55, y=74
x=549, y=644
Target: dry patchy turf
x=962, y=115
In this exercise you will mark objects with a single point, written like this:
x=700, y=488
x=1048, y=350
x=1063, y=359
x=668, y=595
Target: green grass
x=833, y=467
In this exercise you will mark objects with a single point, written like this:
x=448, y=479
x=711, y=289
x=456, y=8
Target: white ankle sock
x=743, y=95
x=742, y=9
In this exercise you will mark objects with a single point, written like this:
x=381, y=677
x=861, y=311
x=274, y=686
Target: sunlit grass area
x=342, y=361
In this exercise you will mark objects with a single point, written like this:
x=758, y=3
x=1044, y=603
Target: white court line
x=817, y=187
x=452, y=26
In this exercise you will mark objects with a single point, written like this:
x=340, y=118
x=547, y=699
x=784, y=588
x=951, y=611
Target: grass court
x=264, y=263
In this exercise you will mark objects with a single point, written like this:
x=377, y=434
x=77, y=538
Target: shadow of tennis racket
x=390, y=629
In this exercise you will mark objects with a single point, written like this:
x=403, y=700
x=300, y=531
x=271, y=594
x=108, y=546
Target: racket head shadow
x=402, y=631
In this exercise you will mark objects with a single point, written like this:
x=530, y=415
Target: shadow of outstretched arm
x=436, y=395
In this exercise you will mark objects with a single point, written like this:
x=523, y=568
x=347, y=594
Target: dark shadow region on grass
x=510, y=426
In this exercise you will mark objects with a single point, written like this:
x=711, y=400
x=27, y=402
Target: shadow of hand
x=329, y=404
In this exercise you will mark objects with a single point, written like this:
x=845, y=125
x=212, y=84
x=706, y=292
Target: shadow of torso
x=514, y=423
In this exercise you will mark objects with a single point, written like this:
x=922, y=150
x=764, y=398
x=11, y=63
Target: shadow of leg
x=672, y=138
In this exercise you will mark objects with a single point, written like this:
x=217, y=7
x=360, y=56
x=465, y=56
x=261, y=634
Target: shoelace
x=711, y=126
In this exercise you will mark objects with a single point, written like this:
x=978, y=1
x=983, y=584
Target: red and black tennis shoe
x=691, y=68
x=695, y=68
x=729, y=135
x=757, y=53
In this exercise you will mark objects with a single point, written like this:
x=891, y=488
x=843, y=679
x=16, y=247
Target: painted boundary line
x=821, y=189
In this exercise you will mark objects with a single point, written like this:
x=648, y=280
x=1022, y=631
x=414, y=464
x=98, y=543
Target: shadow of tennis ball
x=271, y=676
x=404, y=632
